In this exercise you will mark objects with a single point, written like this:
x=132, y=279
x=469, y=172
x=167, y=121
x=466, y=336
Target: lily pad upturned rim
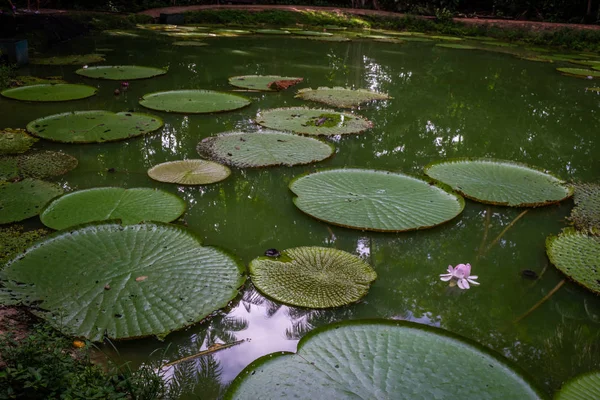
x=11, y=92
x=579, y=72
x=314, y=95
x=152, y=72
x=495, y=160
x=146, y=96
x=153, y=174
x=234, y=81
x=247, y=372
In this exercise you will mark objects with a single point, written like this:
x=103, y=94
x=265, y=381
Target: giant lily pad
x=267, y=83
x=120, y=72
x=267, y=148
x=580, y=72
x=50, y=92
x=586, y=214
x=193, y=101
x=313, y=121
x=456, y=46
x=311, y=33
x=189, y=172
x=68, y=60
x=109, y=280
x=44, y=164
x=14, y=240
x=14, y=141
x=340, y=97
x=25, y=199
x=93, y=126
x=190, y=43
x=577, y=255
x=374, y=200
x=500, y=182
x=26, y=80
x=313, y=277
x=582, y=387
x=130, y=206
x=272, y=31
x=378, y=359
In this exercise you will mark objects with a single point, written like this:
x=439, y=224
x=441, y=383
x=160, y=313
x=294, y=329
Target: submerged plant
x=462, y=274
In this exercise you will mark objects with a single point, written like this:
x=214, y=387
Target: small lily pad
x=456, y=46
x=44, y=164
x=272, y=32
x=266, y=148
x=120, y=33
x=312, y=121
x=577, y=255
x=130, y=206
x=93, y=126
x=582, y=387
x=50, y=92
x=327, y=38
x=267, y=83
x=313, y=277
x=82, y=59
x=194, y=101
x=340, y=97
x=311, y=33
x=448, y=38
x=416, y=39
x=374, y=200
x=120, y=72
x=189, y=172
x=26, y=80
x=190, y=35
x=586, y=213
x=14, y=141
x=500, y=182
x=25, y=199
x=580, y=72
x=192, y=43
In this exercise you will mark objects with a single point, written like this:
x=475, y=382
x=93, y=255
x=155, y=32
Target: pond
x=445, y=103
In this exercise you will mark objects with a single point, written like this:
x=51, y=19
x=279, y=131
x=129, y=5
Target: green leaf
x=50, y=92
x=586, y=213
x=120, y=72
x=500, y=182
x=378, y=359
x=579, y=72
x=272, y=31
x=577, y=255
x=80, y=59
x=193, y=101
x=313, y=277
x=189, y=172
x=25, y=199
x=93, y=126
x=194, y=43
x=130, y=206
x=456, y=46
x=26, y=80
x=374, y=200
x=122, y=281
x=340, y=97
x=44, y=164
x=266, y=148
x=14, y=240
x=312, y=121
x=448, y=38
x=582, y=387
x=311, y=33
x=14, y=141
x=267, y=83
x=121, y=33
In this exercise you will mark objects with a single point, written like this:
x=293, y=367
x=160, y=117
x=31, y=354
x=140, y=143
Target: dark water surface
x=446, y=103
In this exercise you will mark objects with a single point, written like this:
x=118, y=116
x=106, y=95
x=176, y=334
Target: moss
x=326, y=120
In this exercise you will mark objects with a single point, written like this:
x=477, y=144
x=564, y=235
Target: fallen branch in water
x=542, y=301
x=212, y=349
x=514, y=221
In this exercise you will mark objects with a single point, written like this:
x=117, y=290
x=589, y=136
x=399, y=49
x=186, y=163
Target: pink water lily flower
x=462, y=273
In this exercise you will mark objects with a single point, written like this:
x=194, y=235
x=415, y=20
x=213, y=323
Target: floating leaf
x=191, y=35
x=377, y=359
x=456, y=46
x=340, y=97
x=267, y=83
x=448, y=38
x=500, y=182
x=9, y=169
x=327, y=38
x=312, y=121
x=50, y=92
x=25, y=80
x=120, y=33
x=582, y=387
x=272, y=31
x=313, y=277
x=69, y=60
x=416, y=39
x=194, y=43
x=83, y=282
x=44, y=164
x=232, y=32
x=577, y=255
x=189, y=172
x=93, y=126
x=15, y=240
x=193, y=101
x=580, y=72
x=120, y=72
x=374, y=200
x=14, y=141
x=130, y=206
x=586, y=214
x=25, y=199
x=311, y=33
x=262, y=149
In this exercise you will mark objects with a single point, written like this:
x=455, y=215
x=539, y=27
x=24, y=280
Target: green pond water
x=446, y=103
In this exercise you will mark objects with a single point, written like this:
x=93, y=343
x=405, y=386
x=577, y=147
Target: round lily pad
x=120, y=72
x=93, y=126
x=262, y=149
x=81, y=59
x=14, y=141
x=456, y=46
x=311, y=33
x=26, y=80
x=374, y=200
x=327, y=38
x=15, y=240
x=415, y=39
x=448, y=38
x=272, y=32
x=586, y=213
x=44, y=164
x=192, y=43
x=379, y=359
x=193, y=101
x=313, y=277
x=121, y=33
x=580, y=72
x=130, y=206
x=267, y=83
x=312, y=121
x=50, y=92
x=577, y=255
x=582, y=387
x=189, y=172
x=500, y=182
x=25, y=199
x=109, y=280
x=340, y=97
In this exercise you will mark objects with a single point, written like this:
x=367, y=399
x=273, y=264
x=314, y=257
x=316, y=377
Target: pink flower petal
x=472, y=281
x=463, y=284
x=446, y=277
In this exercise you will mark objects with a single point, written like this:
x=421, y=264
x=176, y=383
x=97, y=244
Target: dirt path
x=532, y=25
